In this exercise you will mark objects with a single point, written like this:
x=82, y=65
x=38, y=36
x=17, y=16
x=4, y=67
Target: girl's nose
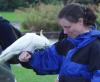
x=65, y=32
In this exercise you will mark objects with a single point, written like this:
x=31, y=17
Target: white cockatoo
x=28, y=42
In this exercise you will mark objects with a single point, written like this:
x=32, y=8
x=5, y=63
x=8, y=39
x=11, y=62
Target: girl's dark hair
x=72, y=12
x=62, y=35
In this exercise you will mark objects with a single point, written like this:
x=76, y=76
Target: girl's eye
x=67, y=26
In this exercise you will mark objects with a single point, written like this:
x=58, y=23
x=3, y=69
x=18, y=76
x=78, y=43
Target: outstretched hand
x=24, y=57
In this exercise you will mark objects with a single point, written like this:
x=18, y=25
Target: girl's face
x=73, y=29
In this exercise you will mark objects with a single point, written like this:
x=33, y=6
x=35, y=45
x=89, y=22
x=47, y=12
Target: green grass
x=27, y=75
x=12, y=16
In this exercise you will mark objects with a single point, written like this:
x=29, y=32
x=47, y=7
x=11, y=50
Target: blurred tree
x=81, y=1
x=10, y=5
x=94, y=4
x=68, y=1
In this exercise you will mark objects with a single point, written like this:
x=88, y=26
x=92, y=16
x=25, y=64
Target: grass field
x=26, y=75
x=12, y=16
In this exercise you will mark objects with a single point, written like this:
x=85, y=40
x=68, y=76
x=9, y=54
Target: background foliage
x=35, y=15
x=44, y=17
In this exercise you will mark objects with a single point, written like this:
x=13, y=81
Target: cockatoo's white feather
x=28, y=42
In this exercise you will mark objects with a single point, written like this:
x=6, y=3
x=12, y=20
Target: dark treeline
x=10, y=5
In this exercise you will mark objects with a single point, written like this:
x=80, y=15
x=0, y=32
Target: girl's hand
x=24, y=57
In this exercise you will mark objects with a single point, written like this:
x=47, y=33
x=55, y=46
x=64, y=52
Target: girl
x=80, y=63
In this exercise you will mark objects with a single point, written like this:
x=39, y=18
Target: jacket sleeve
x=46, y=61
x=94, y=63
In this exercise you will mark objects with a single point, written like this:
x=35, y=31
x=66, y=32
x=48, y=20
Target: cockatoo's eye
x=45, y=46
x=39, y=49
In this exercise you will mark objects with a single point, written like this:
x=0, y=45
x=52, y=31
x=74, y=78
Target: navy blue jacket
x=7, y=36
